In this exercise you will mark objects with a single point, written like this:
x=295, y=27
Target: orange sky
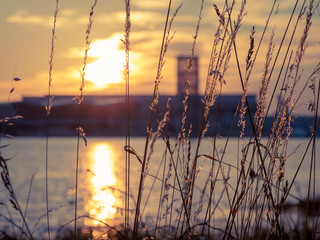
x=26, y=38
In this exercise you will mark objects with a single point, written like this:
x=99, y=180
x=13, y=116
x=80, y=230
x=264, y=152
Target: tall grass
x=49, y=107
x=126, y=42
x=254, y=192
x=263, y=197
x=79, y=99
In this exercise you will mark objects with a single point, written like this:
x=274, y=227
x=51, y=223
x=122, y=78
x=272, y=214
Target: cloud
x=140, y=19
x=110, y=17
x=67, y=18
x=24, y=18
x=147, y=4
x=68, y=12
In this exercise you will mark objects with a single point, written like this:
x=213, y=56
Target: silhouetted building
x=105, y=115
x=188, y=75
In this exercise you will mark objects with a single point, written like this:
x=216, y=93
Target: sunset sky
x=26, y=41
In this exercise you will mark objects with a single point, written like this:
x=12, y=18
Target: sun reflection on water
x=103, y=198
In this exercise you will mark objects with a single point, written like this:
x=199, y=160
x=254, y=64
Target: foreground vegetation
x=258, y=201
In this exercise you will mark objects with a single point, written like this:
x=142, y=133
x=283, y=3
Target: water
x=101, y=180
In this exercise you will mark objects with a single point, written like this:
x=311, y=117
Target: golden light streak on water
x=103, y=199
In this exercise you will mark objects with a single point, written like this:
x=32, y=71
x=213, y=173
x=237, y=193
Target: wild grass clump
x=199, y=185
x=257, y=199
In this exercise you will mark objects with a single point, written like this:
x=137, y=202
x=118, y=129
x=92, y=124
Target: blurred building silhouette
x=187, y=75
x=105, y=115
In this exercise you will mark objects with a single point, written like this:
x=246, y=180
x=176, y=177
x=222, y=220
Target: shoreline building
x=188, y=75
x=187, y=82
x=105, y=115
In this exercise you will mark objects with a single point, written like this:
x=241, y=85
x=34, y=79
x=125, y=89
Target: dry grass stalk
x=263, y=89
x=53, y=39
x=6, y=120
x=189, y=67
x=79, y=99
x=5, y=176
x=126, y=75
x=49, y=107
x=168, y=38
x=219, y=62
x=164, y=47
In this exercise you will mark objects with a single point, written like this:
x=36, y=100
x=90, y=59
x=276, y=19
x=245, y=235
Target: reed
x=49, y=107
x=79, y=99
x=126, y=76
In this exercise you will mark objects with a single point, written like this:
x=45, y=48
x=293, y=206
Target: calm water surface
x=101, y=179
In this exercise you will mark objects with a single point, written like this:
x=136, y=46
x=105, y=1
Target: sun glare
x=101, y=205
x=109, y=63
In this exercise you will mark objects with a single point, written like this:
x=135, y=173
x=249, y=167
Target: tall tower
x=183, y=76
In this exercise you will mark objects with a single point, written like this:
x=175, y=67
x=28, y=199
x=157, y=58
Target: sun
x=109, y=63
